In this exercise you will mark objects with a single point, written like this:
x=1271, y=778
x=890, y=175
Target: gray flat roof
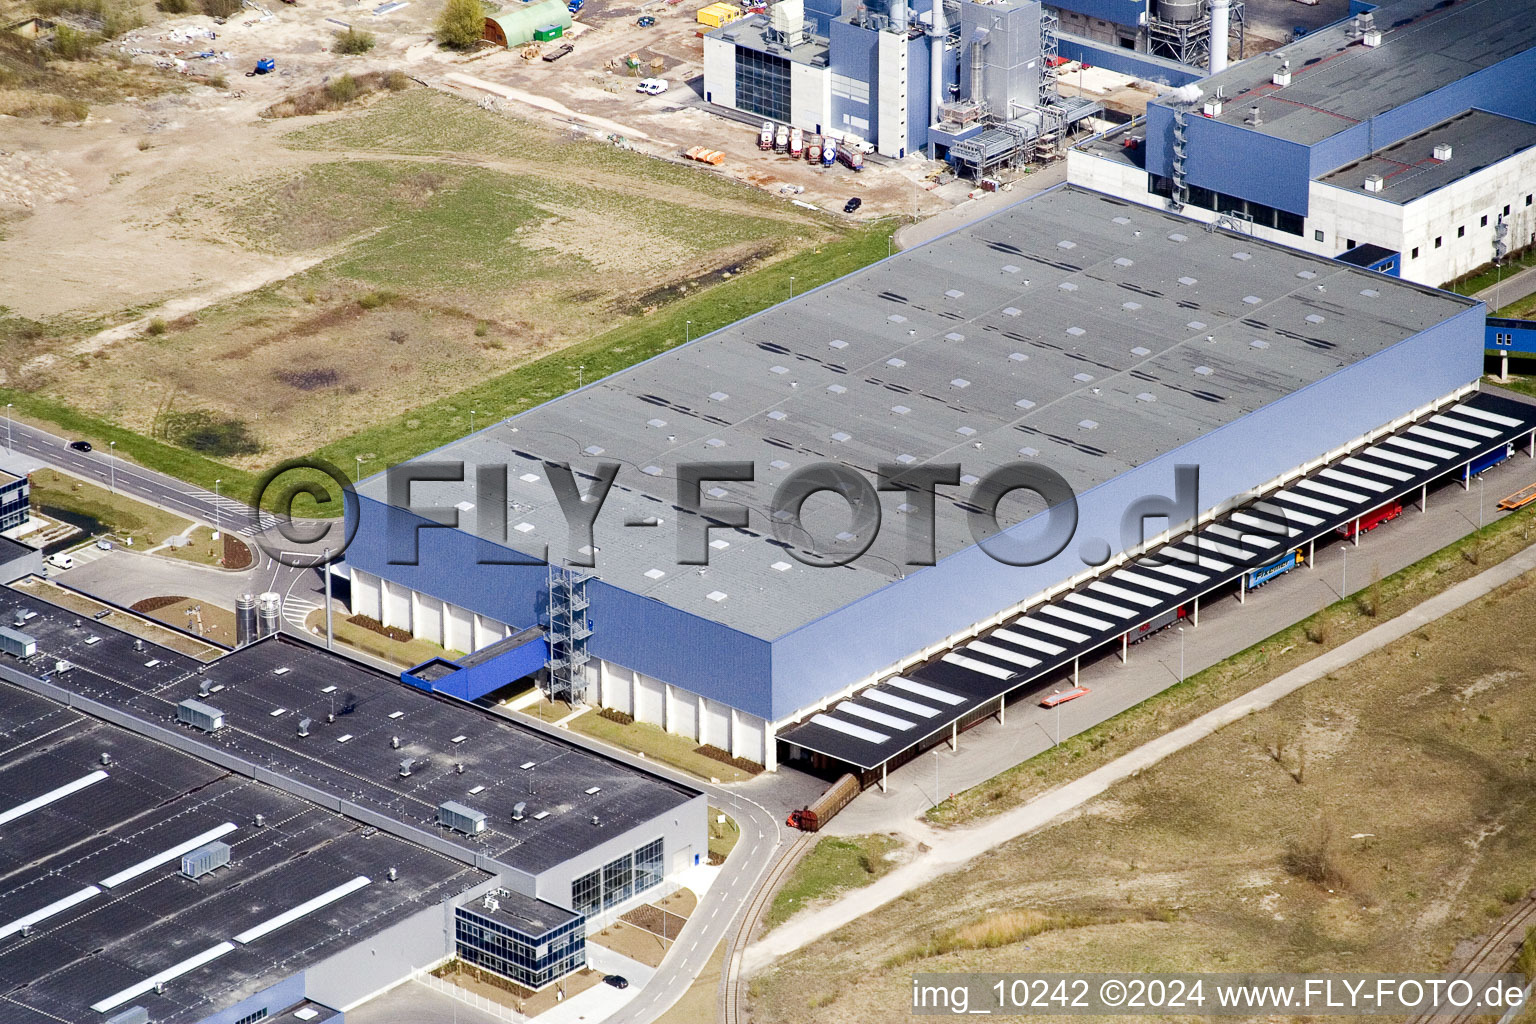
x=534, y=918
x=1337, y=82
x=153, y=800
x=1409, y=170
x=502, y=646
x=752, y=33
x=1070, y=328
x=266, y=688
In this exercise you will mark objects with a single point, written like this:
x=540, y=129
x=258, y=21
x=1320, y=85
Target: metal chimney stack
x=1220, y=28
x=245, y=619
x=269, y=613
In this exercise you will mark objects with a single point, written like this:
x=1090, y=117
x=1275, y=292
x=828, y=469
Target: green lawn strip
x=168, y=459
x=1269, y=658
x=722, y=835
x=437, y=423
x=1491, y=275
x=656, y=744
x=406, y=654
x=203, y=549
x=836, y=864
x=123, y=516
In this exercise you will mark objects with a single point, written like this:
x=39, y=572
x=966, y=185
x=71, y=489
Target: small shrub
x=209, y=433
x=342, y=89
x=482, y=329
x=144, y=145
x=1512, y=893
x=615, y=715
x=373, y=300
x=711, y=751
x=156, y=327
x=461, y=24
x=1317, y=860
x=70, y=43
x=352, y=42
x=394, y=81
x=174, y=6
x=220, y=8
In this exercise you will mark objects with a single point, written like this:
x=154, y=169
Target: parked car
x=616, y=980
x=103, y=544
x=651, y=86
x=852, y=204
x=646, y=21
x=80, y=446
x=61, y=561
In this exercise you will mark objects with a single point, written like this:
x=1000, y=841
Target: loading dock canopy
x=893, y=716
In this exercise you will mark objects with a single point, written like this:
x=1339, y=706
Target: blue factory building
x=1109, y=343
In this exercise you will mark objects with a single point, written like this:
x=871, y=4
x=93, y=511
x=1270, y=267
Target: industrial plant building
x=1107, y=341
x=1402, y=139
x=970, y=82
x=279, y=833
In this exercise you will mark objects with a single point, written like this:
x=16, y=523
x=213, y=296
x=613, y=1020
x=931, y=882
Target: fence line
x=498, y=1010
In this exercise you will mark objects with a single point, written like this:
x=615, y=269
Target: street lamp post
x=218, y=520
x=112, y=466
x=359, y=474
x=8, y=448
x=1479, y=503
x=935, y=777
x=687, y=331
x=471, y=421
x=1344, y=575
x=1058, y=719
x=1181, y=654
x=791, y=285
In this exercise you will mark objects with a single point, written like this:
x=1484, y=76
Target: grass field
x=406, y=654
x=1182, y=702
x=123, y=516
x=835, y=865
x=722, y=837
x=656, y=744
x=477, y=263
x=1369, y=822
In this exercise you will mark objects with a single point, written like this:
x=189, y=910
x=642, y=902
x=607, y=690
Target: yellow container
x=718, y=14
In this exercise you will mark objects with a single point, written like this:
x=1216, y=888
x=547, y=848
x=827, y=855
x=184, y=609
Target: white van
x=61, y=561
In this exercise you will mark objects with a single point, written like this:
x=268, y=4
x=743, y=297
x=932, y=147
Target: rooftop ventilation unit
x=394, y=743
x=1282, y=77
x=1374, y=182
x=204, y=688
x=200, y=716
x=138, y=644
x=205, y=860
x=518, y=810
x=1443, y=152
x=1372, y=38
x=1253, y=116
x=406, y=766
x=393, y=874
x=1213, y=108
x=304, y=724
x=460, y=818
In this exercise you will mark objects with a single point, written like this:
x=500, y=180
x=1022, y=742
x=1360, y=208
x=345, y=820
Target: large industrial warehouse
x=1107, y=341
x=1429, y=169
x=344, y=830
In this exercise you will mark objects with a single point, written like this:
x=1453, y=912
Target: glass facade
x=530, y=960
x=762, y=83
x=619, y=879
x=13, y=503
x=1220, y=202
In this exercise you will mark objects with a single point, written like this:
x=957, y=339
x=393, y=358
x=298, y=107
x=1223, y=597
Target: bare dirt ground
x=179, y=252
x=1378, y=820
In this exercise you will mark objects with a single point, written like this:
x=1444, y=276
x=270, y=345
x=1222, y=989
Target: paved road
x=1511, y=289
x=953, y=850
x=102, y=466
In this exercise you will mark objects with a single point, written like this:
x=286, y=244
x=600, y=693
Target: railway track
x=1493, y=956
x=735, y=984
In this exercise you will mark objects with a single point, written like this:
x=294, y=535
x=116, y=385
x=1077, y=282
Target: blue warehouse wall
x=628, y=629
x=854, y=55
x=917, y=92
x=821, y=13
x=881, y=629
x=1232, y=158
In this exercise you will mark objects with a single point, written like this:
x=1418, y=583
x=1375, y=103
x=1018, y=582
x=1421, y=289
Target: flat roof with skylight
x=1074, y=329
